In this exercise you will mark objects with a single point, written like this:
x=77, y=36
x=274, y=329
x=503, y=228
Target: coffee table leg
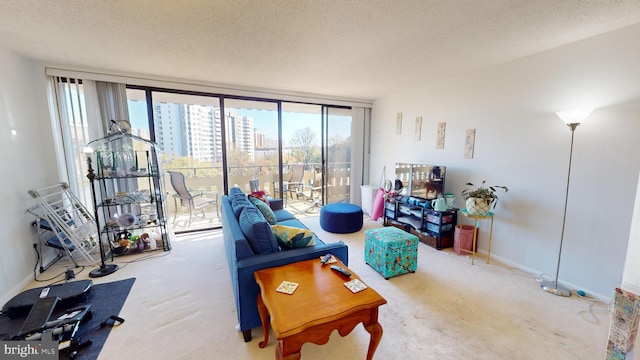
x=375, y=329
x=263, y=318
x=291, y=354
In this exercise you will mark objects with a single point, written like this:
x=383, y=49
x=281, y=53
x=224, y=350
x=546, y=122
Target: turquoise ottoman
x=390, y=251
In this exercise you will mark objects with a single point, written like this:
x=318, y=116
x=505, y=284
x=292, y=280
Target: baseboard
x=15, y=290
x=535, y=273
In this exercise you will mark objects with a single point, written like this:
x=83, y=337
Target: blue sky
x=138, y=114
x=263, y=121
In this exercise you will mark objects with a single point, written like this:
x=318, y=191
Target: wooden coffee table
x=319, y=305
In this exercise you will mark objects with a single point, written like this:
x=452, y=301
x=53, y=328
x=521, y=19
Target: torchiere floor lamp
x=572, y=118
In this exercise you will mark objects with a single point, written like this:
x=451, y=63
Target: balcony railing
x=209, y=179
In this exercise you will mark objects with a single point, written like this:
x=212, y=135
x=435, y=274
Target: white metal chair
x=68, y=219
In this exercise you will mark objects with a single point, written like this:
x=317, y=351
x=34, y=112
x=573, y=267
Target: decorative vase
x=478, y=206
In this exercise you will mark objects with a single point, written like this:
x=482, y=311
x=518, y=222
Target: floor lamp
x=572, y=119
x=104, y=269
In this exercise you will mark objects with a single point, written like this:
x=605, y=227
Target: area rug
x=105, y=299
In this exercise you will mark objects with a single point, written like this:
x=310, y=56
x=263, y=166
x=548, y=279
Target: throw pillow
x=264, y=209
x=257, y=231
x=289, y=237
x=260, y=194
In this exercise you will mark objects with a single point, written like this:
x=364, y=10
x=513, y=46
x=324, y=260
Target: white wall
x=522, y=144
x=27, y=162
x=631, y=275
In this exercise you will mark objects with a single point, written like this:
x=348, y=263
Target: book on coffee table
x=355, y=285
x=287, y=287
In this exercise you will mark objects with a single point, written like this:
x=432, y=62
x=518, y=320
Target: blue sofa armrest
x=276, y=204
x=249, y=289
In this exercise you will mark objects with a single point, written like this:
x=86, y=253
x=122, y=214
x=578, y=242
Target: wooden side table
x=476, y=224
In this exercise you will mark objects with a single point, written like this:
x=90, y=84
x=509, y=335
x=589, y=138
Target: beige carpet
x=181, y=307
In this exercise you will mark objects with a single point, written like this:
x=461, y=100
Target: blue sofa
x=256, y=251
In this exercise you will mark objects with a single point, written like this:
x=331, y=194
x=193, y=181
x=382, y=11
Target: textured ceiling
x=350, y=48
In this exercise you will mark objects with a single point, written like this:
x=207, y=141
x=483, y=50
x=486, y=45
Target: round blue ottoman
x=341, y=218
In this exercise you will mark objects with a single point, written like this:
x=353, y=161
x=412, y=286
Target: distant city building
x=240, y=133
x=259, y=139
x=143, y=133
x=266, y=153
x=196, y=131
x=168, y=128
x=200, y=132
x=270, y=143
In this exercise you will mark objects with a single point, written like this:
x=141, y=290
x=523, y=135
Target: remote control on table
x=341, y=270
x=325, y=258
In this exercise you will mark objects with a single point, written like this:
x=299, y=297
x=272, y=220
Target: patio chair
x=295, y=184
x=313, y=192
x=194, y=200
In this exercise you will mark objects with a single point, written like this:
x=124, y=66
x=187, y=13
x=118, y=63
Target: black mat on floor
x=105, y=300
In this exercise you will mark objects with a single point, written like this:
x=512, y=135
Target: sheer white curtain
x=112, y=102
x=84, y=110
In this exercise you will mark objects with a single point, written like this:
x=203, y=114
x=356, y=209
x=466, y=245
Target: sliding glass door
x=319, y=137
x=302, y=148
x=298, y=152
x=188, y=130
x=251, y=134
x=338, y=153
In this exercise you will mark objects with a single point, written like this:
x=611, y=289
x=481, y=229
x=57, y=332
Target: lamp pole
x=104, y=269
x=552, y=286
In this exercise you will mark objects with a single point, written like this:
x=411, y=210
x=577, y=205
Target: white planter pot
x=477, y=206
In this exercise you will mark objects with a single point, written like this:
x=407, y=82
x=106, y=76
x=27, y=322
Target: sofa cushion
x=293, y=237
x=238, y=202
x=257, y=231
x=283, y=215
x=264, y=209
x=292, y=223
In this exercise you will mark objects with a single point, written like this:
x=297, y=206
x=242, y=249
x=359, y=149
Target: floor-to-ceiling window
x=338, y=153
x=218, y=141
x=263, y=140
x=188, y=130
x=301, y=154
x=251, y=137
x=320, y=138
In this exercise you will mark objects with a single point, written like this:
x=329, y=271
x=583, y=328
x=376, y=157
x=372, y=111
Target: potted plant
x=479, y=200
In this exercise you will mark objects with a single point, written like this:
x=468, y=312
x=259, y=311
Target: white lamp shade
x=574, y=116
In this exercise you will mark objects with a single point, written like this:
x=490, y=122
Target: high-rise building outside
x=196, y=131
x=168, y=128
x=240, y=133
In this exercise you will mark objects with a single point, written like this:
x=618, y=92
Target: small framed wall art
x=442, y=127
x=469, y=143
